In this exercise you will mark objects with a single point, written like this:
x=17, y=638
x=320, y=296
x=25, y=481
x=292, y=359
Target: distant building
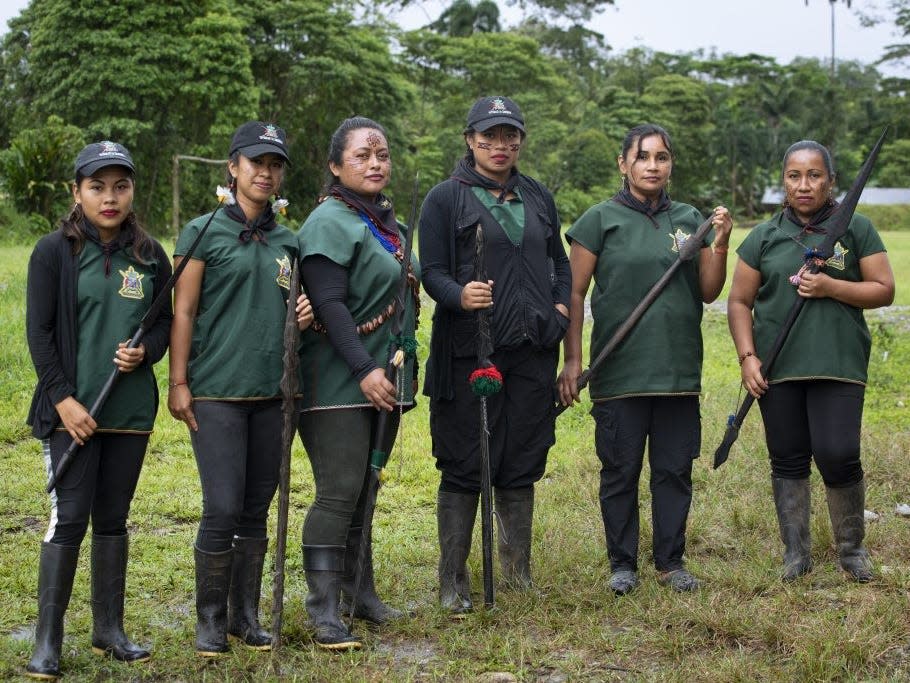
x=889, y=196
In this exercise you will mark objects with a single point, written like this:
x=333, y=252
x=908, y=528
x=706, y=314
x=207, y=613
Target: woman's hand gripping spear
x=815, y=261
x=686, y=253
x=289, y=388
x=399, y=349
x=148, y=320
x=485, y=381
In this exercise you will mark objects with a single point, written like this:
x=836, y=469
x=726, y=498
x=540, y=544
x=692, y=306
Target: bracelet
x=721, y=250
x=745, y=355
x=178, y=384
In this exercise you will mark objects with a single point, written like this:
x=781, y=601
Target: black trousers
x=818, y=419
x=671, y=425
x=99, y=485
x=521, y=419
x=338, y=443
x=238, y=455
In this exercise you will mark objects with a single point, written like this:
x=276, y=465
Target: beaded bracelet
x=745, y=355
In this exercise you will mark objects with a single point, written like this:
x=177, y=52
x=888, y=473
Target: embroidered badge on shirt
x=679, y=239
x=132, y=284
x=284, y=272
x=838, y=260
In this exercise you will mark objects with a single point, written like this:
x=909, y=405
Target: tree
x=160, y=77
x=462, y=18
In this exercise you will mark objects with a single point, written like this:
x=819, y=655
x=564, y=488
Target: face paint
x=514, y=148
x=484, y=145
x=374, y=140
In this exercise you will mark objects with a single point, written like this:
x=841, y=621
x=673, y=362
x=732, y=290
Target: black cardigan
x=50, y=325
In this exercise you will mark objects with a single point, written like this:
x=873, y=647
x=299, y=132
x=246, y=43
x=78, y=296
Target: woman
x=351, y=248
x=812, y=405
x=225, y=368
x=648, y=388
x=89, y=284
x=529, y=281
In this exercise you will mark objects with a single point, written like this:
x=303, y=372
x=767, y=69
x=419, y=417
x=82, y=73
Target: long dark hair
x=141, y=251
x=339, y=142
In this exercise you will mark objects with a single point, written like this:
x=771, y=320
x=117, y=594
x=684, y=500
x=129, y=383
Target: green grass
x=744, y=625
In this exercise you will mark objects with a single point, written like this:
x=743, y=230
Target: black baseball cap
x=495, y=111
x=97, y=155
x=255, y=138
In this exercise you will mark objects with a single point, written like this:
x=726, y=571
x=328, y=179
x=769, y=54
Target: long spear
x=485, y=381
x=151, y=315
x=815, y=261
x=289, y=385
x=397, y=355
x=686, y=252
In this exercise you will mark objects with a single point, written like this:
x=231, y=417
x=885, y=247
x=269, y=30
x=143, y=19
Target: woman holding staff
x=352, y=249
x=89, y=284
x=813, y=404
x=647, y=390
x=225, y=369
x=529, y=281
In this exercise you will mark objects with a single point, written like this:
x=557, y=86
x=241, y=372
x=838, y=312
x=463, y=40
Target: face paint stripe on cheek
x=514, y=148
x=484, y=145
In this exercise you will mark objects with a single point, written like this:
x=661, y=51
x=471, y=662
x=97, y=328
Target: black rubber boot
x=109, y=555
x=455, y=513
x=213, y=582
x=847, y=507
x=56, y=570
x=368, y=605
x=515, y=508
x=791, y=498
x=324, y=567
x=246, y=585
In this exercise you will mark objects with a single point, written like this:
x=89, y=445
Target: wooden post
x=175, y=185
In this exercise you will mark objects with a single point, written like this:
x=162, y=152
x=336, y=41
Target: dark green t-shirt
x=510, y=214
x=236, y=351
x=663, y=352
x=829, y=340
x=333, y=230
x=109, y=311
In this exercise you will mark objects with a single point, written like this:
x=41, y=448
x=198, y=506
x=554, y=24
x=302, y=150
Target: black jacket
x=50, y=325
x=528, y=278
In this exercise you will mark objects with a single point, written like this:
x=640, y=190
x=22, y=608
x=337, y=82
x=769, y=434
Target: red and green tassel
x=486, y=381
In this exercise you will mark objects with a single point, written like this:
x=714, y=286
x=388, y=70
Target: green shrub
x=891, y=217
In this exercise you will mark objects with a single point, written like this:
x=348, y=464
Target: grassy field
x=744, y=625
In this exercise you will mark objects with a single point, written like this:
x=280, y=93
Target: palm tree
x=832, y=3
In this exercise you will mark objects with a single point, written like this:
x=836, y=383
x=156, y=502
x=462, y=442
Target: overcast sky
x=783, y=29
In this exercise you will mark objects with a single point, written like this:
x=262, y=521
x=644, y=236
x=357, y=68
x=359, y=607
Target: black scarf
x=650, y=209
x=123, y=240
x=257, y=228
x=817, y=219
x=380, y=212
x=465, y=173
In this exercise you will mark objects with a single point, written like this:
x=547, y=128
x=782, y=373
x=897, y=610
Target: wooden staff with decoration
x=289, y=387
x=151, y=315
x=687, y=252
x=485, y=381
x=814, y=261
x=400, y=349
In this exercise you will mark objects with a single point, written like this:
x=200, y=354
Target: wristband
x=721, y=250
x=745, y=355
x=178, y=384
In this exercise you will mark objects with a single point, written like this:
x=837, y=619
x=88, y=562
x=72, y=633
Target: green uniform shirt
x=510, y=214
x=663, y=352
x=237, y=351
x=109, y=311
x=333, y=230
x=830, y=340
